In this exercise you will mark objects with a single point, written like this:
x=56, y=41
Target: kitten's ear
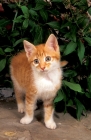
x=29, y=48
x=52, y=43
x=63, y=63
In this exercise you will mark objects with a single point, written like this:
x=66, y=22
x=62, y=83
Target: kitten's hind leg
x=20, y=100
x=49, y=111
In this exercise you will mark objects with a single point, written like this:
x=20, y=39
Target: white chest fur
x=47, y=83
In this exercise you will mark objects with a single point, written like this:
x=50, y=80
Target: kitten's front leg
x=29, y=111
x=49, y=111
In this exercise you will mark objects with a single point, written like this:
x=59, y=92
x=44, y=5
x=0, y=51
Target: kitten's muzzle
x=42, y=68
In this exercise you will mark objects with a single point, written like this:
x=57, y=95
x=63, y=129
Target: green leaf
x=88, y=39
x=54, y=25
x=44, y=15
x=70, y=73
x=15, y=33
x=70, y=103
x=80, y=108
x=38, y=38
x=38, y=7
x=89, y=10
x=25, y=11
x=32, y=25
x=81, y=4
x=88, y=94
x=73, y=37
x=70, y=48
x=86, y=30
x=59, y=96
x=33, y=13
x=18, y=42
x=73, y=86
x=82, y=21
x=25, y=23
x=1, y=51
x=41, y=2
x=68, y=36
x=18, y=19
x=4, y=22
x=2, y=64
x=65, y=25
x=56, y=0
x=81, y=50
x=73, y=33
x=8, y=50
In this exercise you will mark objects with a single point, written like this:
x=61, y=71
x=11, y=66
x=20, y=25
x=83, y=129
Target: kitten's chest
x=47, y=84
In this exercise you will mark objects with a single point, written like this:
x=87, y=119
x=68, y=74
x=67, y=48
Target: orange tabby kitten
x=36, y=74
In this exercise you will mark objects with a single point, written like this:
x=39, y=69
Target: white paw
x=21, y=108
x=50, y=124
x=26, y=120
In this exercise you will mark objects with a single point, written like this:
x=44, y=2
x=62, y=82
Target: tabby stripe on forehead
x=41, y=54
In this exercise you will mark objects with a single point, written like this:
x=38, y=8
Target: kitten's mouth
x=44, y=71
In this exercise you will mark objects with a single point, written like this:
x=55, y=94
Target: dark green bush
x=69, y=21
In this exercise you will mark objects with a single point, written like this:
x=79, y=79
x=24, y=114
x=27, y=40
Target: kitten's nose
x=42, y=68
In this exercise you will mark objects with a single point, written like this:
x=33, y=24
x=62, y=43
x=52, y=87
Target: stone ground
x=68, y=128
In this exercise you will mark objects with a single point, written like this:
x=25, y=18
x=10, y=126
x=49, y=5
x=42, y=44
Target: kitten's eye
x=48, y=58
x=36, y=61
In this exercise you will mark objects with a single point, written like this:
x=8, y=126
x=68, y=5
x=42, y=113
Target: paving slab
x=68, y=128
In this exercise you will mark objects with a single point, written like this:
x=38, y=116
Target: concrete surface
x=68, y=128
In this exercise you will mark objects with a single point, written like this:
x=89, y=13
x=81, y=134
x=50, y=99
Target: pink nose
x=42, y=68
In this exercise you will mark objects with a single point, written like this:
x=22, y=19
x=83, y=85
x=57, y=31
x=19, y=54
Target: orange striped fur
x=36, y=74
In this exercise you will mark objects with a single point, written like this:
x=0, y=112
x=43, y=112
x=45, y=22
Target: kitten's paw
x=26, y=120
x=50, y=124
x=21, y=108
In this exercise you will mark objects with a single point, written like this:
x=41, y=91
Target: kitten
x=36, y=74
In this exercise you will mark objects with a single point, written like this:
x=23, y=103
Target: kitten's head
x=44, y=57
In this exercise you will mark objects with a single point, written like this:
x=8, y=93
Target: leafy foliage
x=68, y=20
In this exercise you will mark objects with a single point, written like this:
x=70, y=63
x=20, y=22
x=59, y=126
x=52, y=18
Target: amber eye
x=36, y=61
x=48, y=58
